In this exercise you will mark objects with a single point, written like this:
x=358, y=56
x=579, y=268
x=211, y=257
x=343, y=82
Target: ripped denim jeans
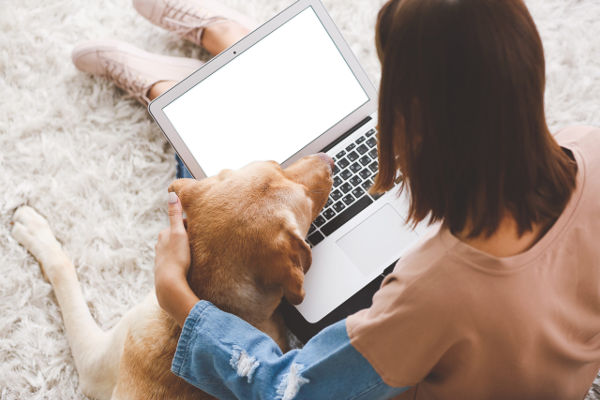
x=230, y=359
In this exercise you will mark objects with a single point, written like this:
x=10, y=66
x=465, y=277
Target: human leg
x=221, y=36
x=159, y=88
x=132, y=69
x=181, y=171
x=141, y=74
x=145, y=76
x=215, y=39
x=207, y=23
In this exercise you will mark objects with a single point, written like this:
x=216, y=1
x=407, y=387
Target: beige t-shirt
x=461, y=324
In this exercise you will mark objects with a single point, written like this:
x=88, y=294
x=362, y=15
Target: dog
x=246, y=230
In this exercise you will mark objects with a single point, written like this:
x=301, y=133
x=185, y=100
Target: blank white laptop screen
x=270, y=101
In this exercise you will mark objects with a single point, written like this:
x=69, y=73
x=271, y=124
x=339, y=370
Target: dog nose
x=326, y=159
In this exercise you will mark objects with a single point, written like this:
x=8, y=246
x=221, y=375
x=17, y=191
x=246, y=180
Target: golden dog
x=246, y=230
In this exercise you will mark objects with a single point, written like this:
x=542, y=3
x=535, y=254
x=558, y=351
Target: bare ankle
x=159, y=88
x=221, y=35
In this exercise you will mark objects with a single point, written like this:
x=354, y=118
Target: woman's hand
x=172, y=263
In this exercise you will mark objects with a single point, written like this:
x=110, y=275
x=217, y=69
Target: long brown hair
x=461, y=115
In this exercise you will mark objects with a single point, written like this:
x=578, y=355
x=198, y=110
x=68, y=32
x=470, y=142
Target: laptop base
x=304, y=330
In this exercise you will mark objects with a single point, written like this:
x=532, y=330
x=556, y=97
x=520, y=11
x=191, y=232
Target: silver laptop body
x=291, y=88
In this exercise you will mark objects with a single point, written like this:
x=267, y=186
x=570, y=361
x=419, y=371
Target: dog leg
x=96, y=353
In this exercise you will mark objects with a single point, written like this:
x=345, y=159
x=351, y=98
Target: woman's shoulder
x=578, y=136
x=585, y=142
x=415, y=315
x=419, y=279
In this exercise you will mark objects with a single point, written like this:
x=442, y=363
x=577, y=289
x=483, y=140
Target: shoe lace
x=127, y=80
x=187, y=21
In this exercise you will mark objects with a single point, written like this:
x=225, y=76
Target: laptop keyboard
x=355, y=168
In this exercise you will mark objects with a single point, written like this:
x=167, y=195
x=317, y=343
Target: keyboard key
x=337, y=181
x=353, y=156
x=336, y=194
x=329, y=202
x=348, y=199
x=360, y=140
x=362, y=149
x=315, y=238
x=350, y=147
x=312, y=229
x=346, y=174
x=339, y=206
x=365, y=160
x=355, y=180
x=373, y=166
x=358, y=192
x=370, y=133
x=346, y=216
x=346, y=187
x=340, y=154
x=367, y=185
x=329, y=213
x=319, y=221
x=373, y=154
x=355, y=167
x=343, y=163
x=365, y=173
x=372, y=142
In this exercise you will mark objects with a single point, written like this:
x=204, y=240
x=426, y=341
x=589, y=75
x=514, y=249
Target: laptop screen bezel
x=156, y=107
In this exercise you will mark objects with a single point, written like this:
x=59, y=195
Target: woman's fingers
x=175, y=213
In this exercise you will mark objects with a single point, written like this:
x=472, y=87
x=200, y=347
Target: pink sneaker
x=130, y=68
x=188, y=18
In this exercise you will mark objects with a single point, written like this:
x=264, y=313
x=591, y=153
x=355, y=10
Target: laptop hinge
x=345, y=135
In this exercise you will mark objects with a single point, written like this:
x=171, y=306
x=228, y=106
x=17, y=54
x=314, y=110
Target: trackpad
x=374, y=244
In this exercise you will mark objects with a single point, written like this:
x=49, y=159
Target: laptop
x=291, y=88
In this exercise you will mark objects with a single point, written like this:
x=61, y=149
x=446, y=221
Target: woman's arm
x=229, y=358
x=171, y=265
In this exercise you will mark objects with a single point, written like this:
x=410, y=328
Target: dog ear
x=294, y=259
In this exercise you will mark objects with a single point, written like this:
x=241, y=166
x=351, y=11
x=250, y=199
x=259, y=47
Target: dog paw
x=33, y=232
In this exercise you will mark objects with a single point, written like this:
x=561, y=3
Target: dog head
x=247, y=227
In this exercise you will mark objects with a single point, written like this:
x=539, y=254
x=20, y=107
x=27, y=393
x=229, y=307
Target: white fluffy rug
x=95, y=165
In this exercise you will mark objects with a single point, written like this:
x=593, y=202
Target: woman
x=501, y=301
